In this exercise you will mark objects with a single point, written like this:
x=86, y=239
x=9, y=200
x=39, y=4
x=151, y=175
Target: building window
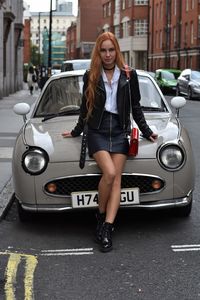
x=192, y=33
x=117, y=31
x=186, y=33
x=129, y=3
x=175, y=7
x=125, y=27
x=186, y=5
x=141, y=2
x=140, y=27
x=199, y=27
x=104, y=11
x=161, y=10
x=160, y=45
x=123, y=4
x=109, y=9
x=174, y=37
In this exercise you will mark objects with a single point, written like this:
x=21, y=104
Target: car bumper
x=159, y=204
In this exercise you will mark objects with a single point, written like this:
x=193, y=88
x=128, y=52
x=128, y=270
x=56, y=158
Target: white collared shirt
x=111, y=90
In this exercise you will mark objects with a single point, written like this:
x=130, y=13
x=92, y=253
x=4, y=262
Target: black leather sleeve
x=137, y=112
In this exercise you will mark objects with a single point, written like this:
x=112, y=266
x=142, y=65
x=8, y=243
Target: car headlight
x=171, y=157
x=34, y=161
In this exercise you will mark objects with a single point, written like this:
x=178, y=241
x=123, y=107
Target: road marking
x=31, y=261
x=10, y=276
x=11, y=271
x=6, y=152
x=182, y=248
x=63, y=252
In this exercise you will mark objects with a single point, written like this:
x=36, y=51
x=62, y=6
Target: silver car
x=46, y=173
x=188, y=84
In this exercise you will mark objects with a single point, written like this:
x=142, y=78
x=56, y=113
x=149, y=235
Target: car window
x=150, y=96
x=60, y=94
x=195, y=75
x=168, y=75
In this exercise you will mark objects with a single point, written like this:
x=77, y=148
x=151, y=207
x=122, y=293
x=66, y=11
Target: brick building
x=27, y=37
x=71, y=51
x=127, y=19
x=88, y=26
x=174, y=34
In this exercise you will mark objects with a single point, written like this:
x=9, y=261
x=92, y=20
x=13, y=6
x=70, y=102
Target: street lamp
x=50, y=36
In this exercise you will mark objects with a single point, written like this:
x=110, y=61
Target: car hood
x=48, y=136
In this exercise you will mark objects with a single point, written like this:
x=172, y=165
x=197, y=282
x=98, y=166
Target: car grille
x=65, y=186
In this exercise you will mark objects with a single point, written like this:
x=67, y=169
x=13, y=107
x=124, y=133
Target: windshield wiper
x=61, y=113
x=149, y=108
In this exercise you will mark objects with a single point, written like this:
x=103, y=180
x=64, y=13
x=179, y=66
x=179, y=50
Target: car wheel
x=24, y=216
x=177, y=91
x=189, y=93
x=184, y=211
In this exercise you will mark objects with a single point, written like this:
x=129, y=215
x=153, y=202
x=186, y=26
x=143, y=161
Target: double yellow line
x=11, y=274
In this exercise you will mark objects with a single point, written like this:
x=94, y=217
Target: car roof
x=168, y=70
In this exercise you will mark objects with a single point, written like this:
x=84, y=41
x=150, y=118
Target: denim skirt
x=109, y=137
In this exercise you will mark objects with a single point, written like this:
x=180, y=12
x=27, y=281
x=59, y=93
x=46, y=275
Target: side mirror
x=177, y=103
x=22, y=109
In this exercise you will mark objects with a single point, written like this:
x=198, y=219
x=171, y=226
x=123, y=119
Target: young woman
x=106, y=109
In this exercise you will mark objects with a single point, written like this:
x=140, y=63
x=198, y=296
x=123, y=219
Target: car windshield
x=62, y=94
x=150, y=97
x=76, y=65
x=168, y=75
x=195, y=75
x=63, y=97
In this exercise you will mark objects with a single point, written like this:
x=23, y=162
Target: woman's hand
x=66, y=134
x=153, y=137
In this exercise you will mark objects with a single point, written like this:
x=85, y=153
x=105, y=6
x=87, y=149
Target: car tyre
x=190, y=93
x=24, y=216
x=184, y=211
x=177, y=91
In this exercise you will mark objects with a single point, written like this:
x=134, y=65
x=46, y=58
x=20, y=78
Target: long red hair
x=96, y=67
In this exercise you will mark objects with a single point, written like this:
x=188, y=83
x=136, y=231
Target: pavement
x=10, y=124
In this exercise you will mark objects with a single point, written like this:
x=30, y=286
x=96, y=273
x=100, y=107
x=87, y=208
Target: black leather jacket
x=123, y=105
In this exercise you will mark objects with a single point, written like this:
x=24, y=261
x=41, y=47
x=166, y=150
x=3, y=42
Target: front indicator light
x=51, y=187
x=156, y=184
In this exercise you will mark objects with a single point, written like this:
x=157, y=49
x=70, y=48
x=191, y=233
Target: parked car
x=167, y=79
x=45, y=166
x=75, y=64
x=188, y=84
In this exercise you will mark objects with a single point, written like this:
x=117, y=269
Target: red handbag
x=134, y=142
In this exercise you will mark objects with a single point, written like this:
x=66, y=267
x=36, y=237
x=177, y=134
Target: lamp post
x=50, y=36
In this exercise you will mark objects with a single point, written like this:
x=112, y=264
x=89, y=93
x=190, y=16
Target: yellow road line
x=11, y=273
x=31, y=263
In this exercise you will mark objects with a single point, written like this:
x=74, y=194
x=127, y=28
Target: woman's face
x=108, y=54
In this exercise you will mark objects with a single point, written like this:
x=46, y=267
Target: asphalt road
x=155, y=255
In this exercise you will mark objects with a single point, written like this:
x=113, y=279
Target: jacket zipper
x=111, y=133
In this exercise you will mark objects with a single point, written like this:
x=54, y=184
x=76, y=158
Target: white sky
x=44, y=5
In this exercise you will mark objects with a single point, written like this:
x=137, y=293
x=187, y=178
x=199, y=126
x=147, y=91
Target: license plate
x=90, y=198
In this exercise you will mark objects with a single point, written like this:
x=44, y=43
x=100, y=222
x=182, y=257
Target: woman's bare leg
x=105, y=163
x=113, y=203
x=111, y=166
